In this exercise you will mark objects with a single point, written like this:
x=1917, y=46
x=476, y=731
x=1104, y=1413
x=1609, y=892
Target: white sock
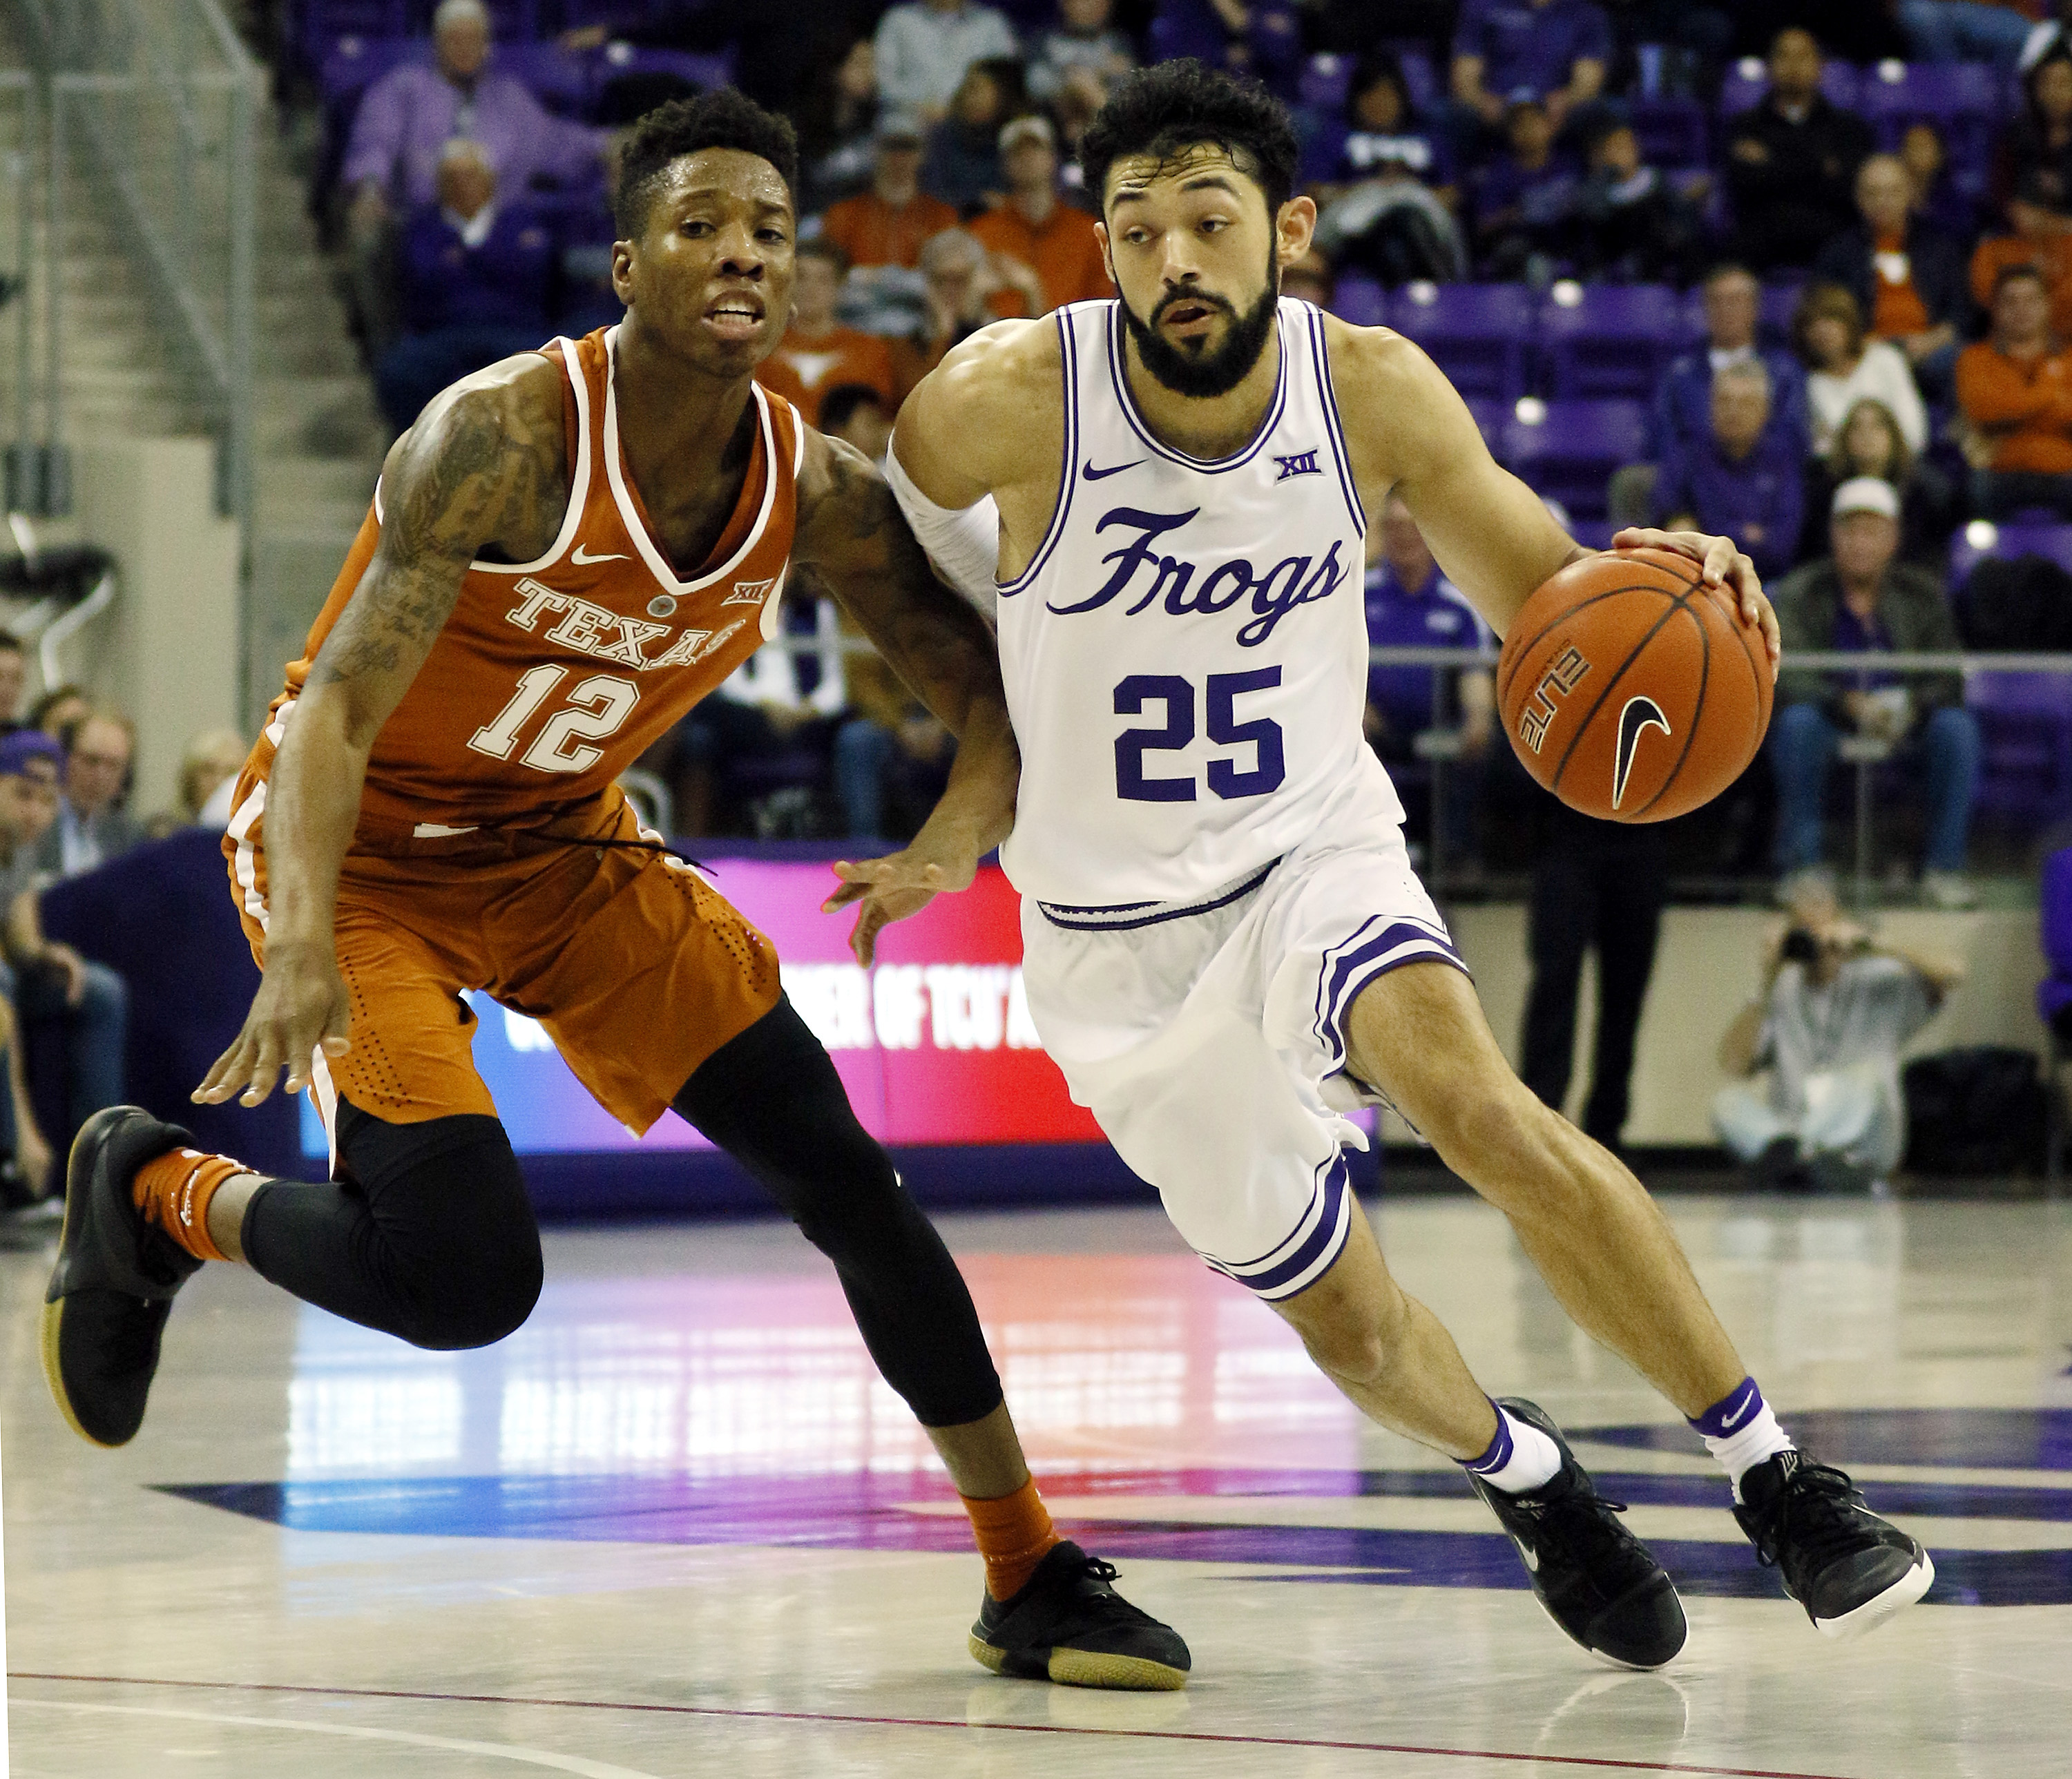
x=1520, y=1456
x=1747, y=1447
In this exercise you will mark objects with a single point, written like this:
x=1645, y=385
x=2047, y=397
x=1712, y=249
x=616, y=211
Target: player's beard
x=1215, y=373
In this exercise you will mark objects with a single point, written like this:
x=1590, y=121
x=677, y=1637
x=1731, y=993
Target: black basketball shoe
x=1850, y=1570
x=1069, y=1625
x=1597, y=1581
x=112, y=1286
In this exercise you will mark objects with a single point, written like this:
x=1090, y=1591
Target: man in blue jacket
x=1740, y=478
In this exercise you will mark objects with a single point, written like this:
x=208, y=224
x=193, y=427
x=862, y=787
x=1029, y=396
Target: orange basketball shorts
x=638, y=968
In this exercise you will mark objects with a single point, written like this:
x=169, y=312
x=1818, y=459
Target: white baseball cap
x=1865, y=493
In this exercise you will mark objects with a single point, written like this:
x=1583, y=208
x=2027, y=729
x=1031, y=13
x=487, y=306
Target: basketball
x=1630, y=689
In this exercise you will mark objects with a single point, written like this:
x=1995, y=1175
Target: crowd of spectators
x=1883, y=295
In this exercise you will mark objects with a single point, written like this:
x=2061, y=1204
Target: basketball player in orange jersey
x=564, y=554
x=1224, y=946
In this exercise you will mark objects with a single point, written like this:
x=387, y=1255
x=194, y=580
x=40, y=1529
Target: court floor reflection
x=677, y=1525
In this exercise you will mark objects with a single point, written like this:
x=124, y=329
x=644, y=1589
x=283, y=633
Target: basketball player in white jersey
x=1226, y=948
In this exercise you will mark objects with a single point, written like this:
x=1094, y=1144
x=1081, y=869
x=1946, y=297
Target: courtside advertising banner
x=934, y=1042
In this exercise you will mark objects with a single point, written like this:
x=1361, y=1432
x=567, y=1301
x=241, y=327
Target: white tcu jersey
x=1185, y=654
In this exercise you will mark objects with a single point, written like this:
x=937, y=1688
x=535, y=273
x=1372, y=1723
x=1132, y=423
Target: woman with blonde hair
x=1869, y=442
x=1844, y=367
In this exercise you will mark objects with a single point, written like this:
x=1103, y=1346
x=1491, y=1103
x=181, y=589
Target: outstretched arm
x=479, y=468
x=854, y=543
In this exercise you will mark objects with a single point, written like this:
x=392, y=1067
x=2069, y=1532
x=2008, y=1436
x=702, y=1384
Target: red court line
x=1600, y=1762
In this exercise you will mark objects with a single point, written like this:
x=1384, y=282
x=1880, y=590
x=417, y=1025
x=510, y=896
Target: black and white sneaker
x=114, y=1285
x=1068, y=1624
x=1597, y=1581
x=1850, y=1570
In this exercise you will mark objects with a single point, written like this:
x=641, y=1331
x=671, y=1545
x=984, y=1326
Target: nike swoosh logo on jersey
x=1640, y=714
x=582, y=559
x=1093, y=475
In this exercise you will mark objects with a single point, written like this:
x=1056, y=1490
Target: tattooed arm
x=480, y=473
x=854, y=544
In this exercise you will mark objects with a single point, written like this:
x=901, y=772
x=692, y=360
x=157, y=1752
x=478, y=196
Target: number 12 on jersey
x=597, y=707
x=1269, y=765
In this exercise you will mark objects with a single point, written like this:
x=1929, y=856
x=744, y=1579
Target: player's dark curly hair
x=1165, y=110
x=722, y=118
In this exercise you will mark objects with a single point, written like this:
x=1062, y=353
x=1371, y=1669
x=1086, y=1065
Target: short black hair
x=11, y=643
x=722, y=118
x=2022, y=268
x=1167, y=109
x=838, y=405
x=818, y=247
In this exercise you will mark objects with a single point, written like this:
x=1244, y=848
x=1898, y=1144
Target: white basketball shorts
x=1208, y=1037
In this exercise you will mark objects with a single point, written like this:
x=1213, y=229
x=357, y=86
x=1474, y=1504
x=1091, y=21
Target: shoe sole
x=53, y=1315
x=1090, y=1668
x=1874, y=1611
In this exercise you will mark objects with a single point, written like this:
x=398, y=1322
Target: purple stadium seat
x=1611, y=339
x=1359, y=300
x=1778, y=302
x=1981, y=538
x=1748, y=81
x=1672, y=131
x=619, y=60
x=1415, y=61
x=1568, y=455
x=558, y=80
x=325, y=21
x=347, y=65
x=1965, y=100
x=1476, y=332
x=1490, y=417
x=2054, y=994
x=2025, y=725
x=1325, y=79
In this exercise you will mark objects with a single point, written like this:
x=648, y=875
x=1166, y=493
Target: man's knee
x=1359, y=1343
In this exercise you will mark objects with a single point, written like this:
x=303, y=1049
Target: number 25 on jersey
x=595, y=708
x=1269, y=765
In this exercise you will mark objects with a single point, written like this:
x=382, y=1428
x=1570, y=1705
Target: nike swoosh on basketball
x=1093, y=475
x=583, y=560
x=1641, y=713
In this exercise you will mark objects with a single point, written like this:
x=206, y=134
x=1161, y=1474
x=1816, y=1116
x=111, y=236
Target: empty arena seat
x=1567, y=450
x=1477, y=333
x=2053, y=996
x=1965, y=100
x=2025, y=727
x=1982, y=538
x=1748, y=80
x=1325, y=79
x=1672, y=131
x=1360, y=301
x=1609, y=339
x=633, y=61
x=559, y=80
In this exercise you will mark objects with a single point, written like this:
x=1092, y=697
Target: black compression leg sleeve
x=772, y=1100
x=430, y=1237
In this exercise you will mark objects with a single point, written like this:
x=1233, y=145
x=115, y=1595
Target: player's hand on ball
x=1724, y=565
x=302, y=1003
x=892, y=888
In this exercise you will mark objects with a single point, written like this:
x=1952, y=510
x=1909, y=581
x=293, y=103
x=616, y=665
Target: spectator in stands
x=1632, y=225
x=1834, y=1008
x=1905, y=274
x=1525, y=198
x=1869, y=442
x=1082, y=46
x=1843, y=367
x=409, y=114
x=837, y=119
x=924, y=47
x=45, y=982
x=1933, y=193
x=886, y=225
x=2016, y=391
x=475, y=276
x=13, y=680
x=1553, y=50
x=1384, y=181
x=817, y=352
x=962, y=166
x=2033, y=188
x=857, y=414
x=1862, y=599
x=209, y=766
x=29, y=766
x=1057, y=241
x=776, y=704
x=1740, y=480
x=1964, y=30
x=1411, y=604
x=1792, y=160
x=57, y=708
x=92, y=826
x=1262, y=38
x=968, y=288
x=1311, y=279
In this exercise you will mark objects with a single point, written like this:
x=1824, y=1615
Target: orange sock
x=1014, y=1532
x=173, y=1193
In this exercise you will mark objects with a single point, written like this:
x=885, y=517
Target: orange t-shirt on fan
x=802, y=370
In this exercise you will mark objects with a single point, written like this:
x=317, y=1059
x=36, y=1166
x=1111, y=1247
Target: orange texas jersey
x=551, y=678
